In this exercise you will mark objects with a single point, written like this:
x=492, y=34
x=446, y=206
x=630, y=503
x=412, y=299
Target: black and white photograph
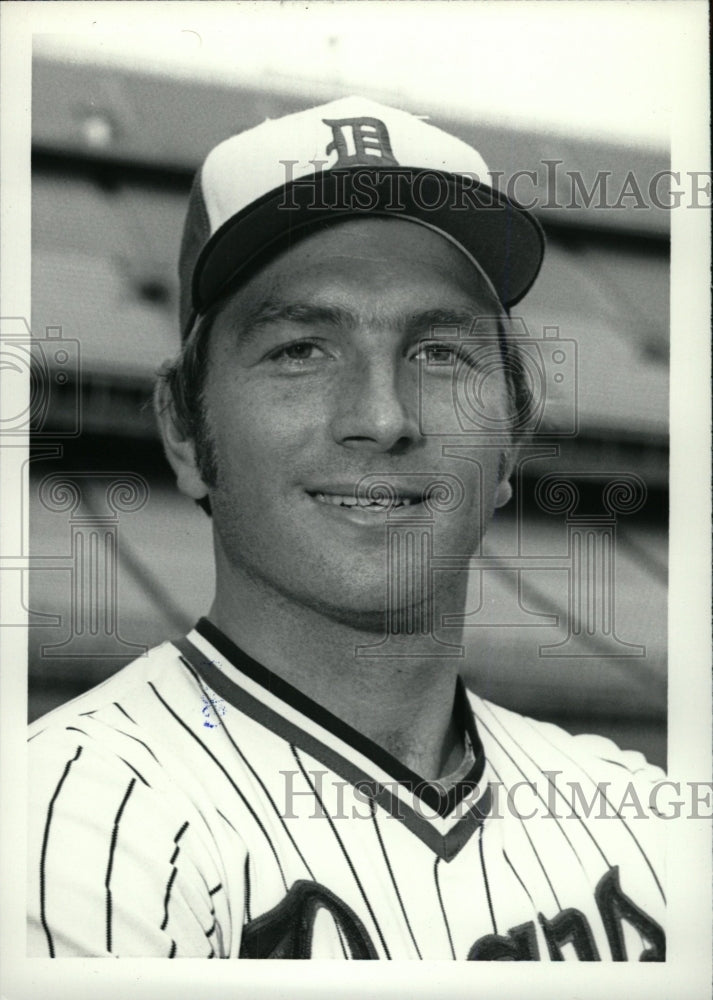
x=355, y=548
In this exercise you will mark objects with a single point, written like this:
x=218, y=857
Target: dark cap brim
x=507, y=241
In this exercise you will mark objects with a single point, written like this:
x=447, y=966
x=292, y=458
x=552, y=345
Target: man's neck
x=403, y=703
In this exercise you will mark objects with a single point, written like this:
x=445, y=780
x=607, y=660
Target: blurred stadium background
x=114, y=148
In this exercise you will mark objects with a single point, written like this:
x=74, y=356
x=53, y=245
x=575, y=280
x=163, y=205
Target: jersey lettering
x=615, y=906
x=286, y=931
x=570, y=926
x=520, y=945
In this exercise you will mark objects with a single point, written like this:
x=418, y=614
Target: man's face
x=319, y=371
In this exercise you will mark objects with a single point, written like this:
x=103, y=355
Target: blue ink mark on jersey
x=211, y=707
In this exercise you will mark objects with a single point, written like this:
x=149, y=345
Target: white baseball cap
x=260, y=191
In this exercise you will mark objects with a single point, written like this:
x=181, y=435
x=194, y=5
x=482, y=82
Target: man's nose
x=377, y=407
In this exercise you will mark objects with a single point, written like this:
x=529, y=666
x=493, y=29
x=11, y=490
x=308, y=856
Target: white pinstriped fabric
x=182, y=808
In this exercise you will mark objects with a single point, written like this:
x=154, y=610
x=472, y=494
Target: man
x=305, y=774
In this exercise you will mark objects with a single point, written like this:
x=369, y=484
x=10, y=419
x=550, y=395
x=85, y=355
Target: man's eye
x=301, y=350
x=437, y=354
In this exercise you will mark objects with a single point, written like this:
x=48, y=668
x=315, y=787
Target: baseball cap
x=261, y=190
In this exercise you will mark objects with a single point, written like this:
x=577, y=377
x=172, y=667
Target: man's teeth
x=388, y=503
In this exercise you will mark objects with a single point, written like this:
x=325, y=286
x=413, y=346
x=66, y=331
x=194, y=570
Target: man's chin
x=367, y=621
x=377, y=621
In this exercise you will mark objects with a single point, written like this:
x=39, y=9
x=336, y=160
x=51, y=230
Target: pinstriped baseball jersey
x=195, y=804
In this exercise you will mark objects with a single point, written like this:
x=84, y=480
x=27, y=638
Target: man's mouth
x=377, y=505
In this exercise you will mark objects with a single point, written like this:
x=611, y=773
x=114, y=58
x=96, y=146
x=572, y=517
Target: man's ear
x=180, y=450
x=503, y=491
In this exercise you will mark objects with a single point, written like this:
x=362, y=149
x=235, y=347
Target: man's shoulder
x=131, y=683
x=136, y=724
x=532, y=743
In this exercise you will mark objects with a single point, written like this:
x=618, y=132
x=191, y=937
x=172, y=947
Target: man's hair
x=181, y=386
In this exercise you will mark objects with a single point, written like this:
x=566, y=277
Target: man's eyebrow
x=441, y=321
x=451, y=322
x=302, y=313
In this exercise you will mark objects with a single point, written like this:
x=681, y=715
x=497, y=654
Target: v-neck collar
x=441, y=801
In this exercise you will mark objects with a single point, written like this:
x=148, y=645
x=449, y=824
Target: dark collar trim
x=445, y=846
x=433, y=796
